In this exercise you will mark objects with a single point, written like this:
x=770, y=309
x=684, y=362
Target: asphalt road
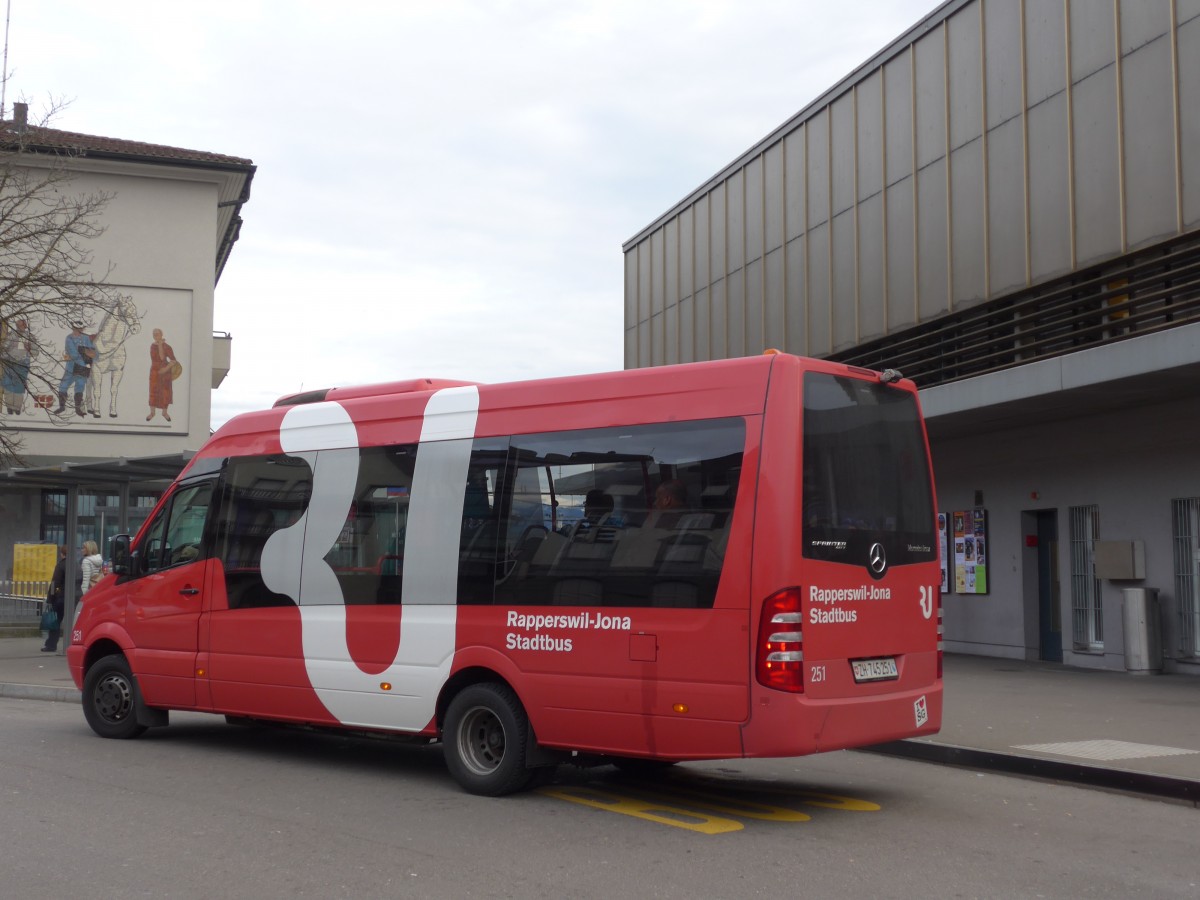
x=204, y=809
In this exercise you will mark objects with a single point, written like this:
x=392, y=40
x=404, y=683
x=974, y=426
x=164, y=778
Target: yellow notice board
x=34, y=562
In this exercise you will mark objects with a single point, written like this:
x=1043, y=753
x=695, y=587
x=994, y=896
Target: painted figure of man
x=15, y=357
x=79, y=351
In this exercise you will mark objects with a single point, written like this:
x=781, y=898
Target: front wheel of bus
x=485, y=736
x=110, y=699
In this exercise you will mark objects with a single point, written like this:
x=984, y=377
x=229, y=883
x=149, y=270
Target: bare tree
x=47, y=280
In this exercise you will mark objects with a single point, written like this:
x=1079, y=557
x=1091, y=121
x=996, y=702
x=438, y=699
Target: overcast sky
x=443, y=188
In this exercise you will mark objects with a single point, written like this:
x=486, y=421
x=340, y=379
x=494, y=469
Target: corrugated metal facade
x=997, y=145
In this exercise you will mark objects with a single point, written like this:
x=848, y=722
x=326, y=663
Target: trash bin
x=1143, y=631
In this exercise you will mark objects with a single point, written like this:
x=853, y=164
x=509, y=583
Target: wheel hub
x=114, y=698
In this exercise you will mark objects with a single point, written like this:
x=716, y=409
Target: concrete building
x=170, y=223
x=1004, y=204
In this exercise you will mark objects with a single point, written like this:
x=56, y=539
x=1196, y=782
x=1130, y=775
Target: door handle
x=189, y=591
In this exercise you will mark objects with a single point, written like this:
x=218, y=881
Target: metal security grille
x=1186, y=531
x=1144, y=292
x=1085, y=586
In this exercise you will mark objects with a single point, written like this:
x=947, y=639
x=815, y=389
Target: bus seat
x=525, y=551
x=548, y=550
x=578, y=592
x=246, y=539
x=674, y=594
x=638, y=548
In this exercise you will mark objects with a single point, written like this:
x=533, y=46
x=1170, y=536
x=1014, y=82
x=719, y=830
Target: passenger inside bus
x=671, y=495
x=596, y=506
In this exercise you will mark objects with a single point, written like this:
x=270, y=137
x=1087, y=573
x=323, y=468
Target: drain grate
x=1104, y=749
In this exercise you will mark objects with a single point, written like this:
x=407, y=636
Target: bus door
x=253, y=648
x=166, y=595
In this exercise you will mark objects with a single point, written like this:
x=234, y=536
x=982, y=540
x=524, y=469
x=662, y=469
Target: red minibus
x=723, y=559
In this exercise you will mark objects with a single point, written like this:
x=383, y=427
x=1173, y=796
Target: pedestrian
x=56, y=597
x=92, y=566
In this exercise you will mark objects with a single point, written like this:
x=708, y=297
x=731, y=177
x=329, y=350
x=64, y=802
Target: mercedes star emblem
x=877, y=559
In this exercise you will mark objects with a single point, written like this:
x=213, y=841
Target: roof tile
x=39, y=138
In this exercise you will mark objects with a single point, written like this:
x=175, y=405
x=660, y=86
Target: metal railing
x=34, y=590
x=1145, y=292
x=1186, y=528
x=21, y=602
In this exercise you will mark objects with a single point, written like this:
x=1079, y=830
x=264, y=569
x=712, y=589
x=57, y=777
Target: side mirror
x=120, y=554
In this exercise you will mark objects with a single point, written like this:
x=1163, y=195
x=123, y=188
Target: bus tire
x=110, y=699
x=484, y=740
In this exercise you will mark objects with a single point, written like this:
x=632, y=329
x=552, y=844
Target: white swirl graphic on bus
x=293, y=564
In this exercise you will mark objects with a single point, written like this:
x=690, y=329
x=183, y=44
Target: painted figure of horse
x=119, y=322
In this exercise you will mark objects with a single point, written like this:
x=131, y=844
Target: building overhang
x=1139, y=371
x=121, y=470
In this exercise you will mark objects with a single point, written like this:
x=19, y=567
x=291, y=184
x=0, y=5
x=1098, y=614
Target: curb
x=40, y=692
x=1183, y=789
x=19, y=631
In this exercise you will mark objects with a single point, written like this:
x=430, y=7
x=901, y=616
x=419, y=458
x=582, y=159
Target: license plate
x=874, y=669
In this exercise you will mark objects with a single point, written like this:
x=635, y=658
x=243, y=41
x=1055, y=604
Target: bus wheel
x=485, y=736
x=110, y=699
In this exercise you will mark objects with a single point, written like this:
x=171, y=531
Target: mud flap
x=149, y=715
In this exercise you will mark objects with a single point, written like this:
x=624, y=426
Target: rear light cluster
x=779, y=659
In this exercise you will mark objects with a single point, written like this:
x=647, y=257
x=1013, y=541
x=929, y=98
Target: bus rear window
x=866, y=471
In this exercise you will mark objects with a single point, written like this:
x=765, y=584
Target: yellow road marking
x=719, y=803
x=643, y=809
x=834, y=801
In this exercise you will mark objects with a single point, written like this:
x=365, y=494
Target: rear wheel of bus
x=110, y=696
x=484, y=738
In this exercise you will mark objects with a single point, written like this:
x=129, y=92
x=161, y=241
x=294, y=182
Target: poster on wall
x=970, y=551
x=943, y=557
x=33, y=567
x=125, y=367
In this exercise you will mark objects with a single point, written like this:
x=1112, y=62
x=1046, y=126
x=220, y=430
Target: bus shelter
x=119, y=474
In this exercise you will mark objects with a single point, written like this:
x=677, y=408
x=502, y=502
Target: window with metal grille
x=1185, y=528
x=1088, y=620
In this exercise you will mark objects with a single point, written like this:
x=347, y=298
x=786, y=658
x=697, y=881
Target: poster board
x=970, y=551
x=33, y=567
x=943, y=551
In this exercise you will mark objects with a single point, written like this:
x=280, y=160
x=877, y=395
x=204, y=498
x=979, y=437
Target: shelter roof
x=100, y=471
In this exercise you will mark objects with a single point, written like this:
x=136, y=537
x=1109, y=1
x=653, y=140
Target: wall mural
x=125, y=367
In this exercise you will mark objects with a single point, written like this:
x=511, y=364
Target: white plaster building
x=169, y=227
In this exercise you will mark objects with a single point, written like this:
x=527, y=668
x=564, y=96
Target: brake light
x=779, y=660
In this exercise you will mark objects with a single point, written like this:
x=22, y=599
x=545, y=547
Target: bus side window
x=481, y=554
x=176, y=536
x=151, y=550
x=259, y=495
x=597, y=540
x=368, y=556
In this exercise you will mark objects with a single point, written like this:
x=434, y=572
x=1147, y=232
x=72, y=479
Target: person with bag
x=92, y=566
x=56, y=601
